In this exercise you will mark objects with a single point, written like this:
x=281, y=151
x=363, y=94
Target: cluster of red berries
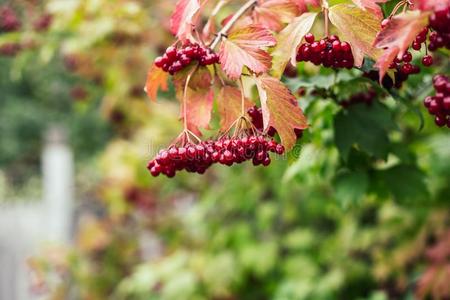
x=440, y=23
x=256, y=117
x=8, y=20
x=439, y=105
x=329, y=52
x=363, y=97
x=174, y=59
x=197, y=158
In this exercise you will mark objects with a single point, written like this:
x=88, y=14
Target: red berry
x=309, y=37
x=427, y=60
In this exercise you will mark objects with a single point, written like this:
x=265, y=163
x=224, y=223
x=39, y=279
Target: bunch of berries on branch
x=439, y=105
x=363, y=97
x=175, y=59
x=440, y=23
x=329, y=52
x=243, y=145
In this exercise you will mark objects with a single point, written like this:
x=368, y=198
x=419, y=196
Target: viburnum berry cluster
x=329, y=52
x=439, y=104
x=363, y=97
x=245, y=144
x=175, y=59
x=8, y=19
x=440, y=23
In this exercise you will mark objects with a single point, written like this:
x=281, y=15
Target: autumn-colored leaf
x=273, y=14
x=303, y=4
x=200, y=79
x=280, y=109
x=229, y=103
x=156, y=79
x=288, y=41
x=184, y=18
x=385, y=61
x=358, y=27
x=397, y=36
x=199, y=105
x=244, y=47
x=371, y=5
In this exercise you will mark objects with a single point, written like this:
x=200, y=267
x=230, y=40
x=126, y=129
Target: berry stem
x=241, y=86
x=325, y=7
x=230, y=23
x=397, y=7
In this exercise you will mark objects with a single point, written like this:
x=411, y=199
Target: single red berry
x=309, y=37
x=427, y=60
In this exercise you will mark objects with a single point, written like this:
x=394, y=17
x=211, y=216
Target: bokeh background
x=81, y=218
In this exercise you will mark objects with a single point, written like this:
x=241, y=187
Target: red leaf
x=244, y=47
x=184, y=18
x=230, y=106
x=273, y=14
x=385, y=61
x=156, y=79
x=397, y=36
x=199, y=105
x=371, y=5
x=280, y=109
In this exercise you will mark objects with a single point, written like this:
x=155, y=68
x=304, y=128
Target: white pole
x=58, y=185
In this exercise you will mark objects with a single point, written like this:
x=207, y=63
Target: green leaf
x=365, y=127
x=406, y=183
x=350, y=187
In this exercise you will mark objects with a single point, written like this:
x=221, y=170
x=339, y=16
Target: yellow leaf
x=359, y=28
x=288, y=41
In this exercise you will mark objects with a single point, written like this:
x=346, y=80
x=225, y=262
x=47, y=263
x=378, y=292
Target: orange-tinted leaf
x=244, y=47
x=371, y=5
x=184, y=18
x=397, y=36
x=385, y=61
x=288, y=41
x=303, y=4
x=199, y=105
x=280, y=109
x=230, y=106
x=156, y=79
x=273, y=14
x=358, y=27
x=200, y=79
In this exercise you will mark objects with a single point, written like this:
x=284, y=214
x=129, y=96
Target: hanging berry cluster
x=363, y=97
x=245, y=144
x=439, y=105
x=440, y=23
x=329, y=52
x=174, y=59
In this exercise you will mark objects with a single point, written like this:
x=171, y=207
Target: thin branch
x=230, y=23
x=325, y=8
x=241, y=85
